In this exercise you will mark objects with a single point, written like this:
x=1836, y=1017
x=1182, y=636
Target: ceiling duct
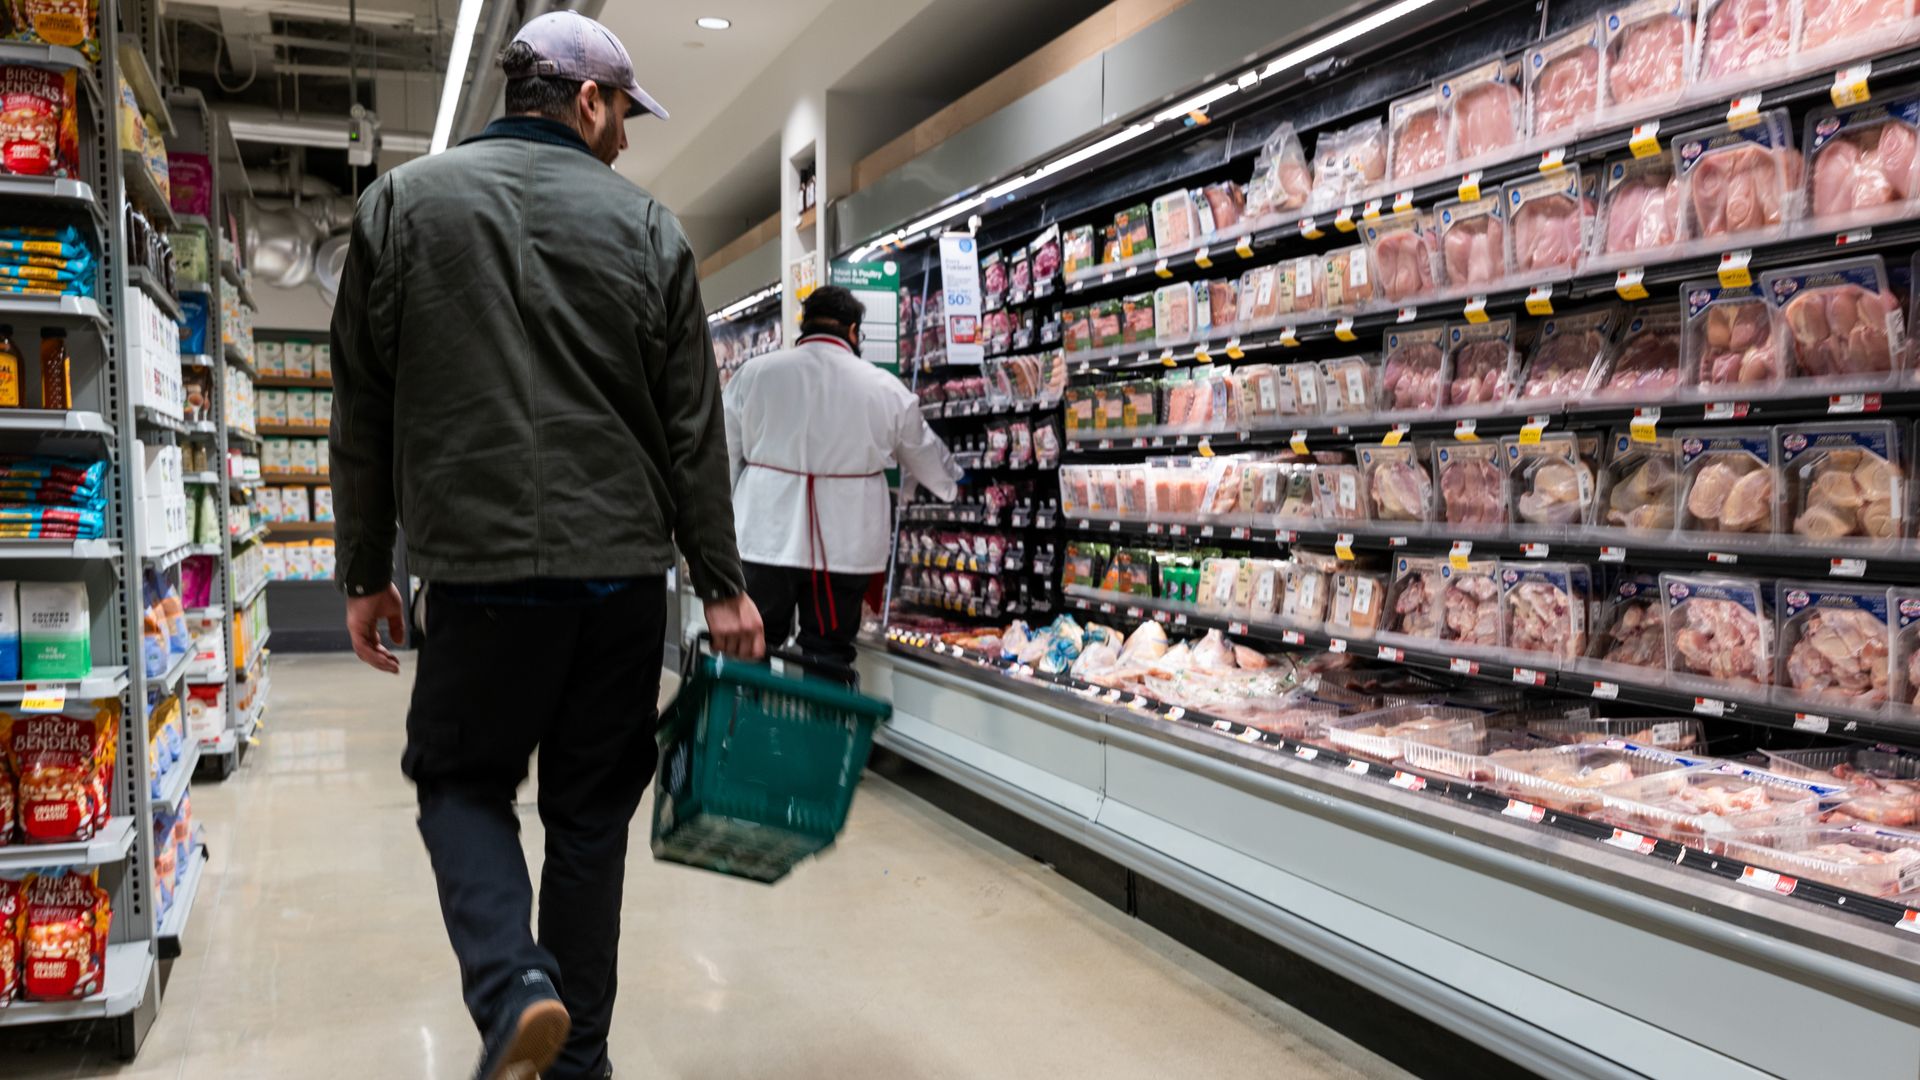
x=289, y=218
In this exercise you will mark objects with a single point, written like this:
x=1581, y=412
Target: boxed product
x=56, y=633
x=272, y=405
x=322, y=360
x=1563, y=82
x=1485, y=111
x=1549, y=483
x=1472, y=478
x=276, y=455
x=1739, y=183
x=1728, y=479
x=1646, y=366
x=305, y=457
x=1843, y=482
x=299, y=561
x=1397, y=487
x=1413, y=375
x=323, y=560
x=1638, y=488
x=268, y=504
x=1718, y=629
x=1473, y=241
x=300, y=408
x=1545, y=607
x=1732, y=339
x=1833, y=646
x=299, y=356
x=1840, y=320
x=1548, y=222
x=269, y=359
x=1649, y=47
x=1482, y=364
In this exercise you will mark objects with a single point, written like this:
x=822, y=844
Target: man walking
x=523, y=377
x=811, y=431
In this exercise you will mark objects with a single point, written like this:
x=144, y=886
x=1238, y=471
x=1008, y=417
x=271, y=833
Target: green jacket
x=523, y=377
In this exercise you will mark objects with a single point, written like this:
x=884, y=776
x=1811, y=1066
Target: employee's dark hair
x=538, y=95
x=831, y=309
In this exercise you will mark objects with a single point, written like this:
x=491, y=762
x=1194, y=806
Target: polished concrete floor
x=918, y=948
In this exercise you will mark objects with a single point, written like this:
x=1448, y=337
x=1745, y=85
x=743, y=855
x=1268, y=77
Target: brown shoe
x=529, y=1034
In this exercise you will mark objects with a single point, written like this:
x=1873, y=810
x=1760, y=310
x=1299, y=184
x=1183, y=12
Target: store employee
x=811, y=431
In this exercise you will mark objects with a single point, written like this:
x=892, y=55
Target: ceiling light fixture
x=1340, y=37
x=713, y=22
x=457, y=60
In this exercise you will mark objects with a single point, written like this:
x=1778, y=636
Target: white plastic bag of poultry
x=1638, y=489
x=1836, y=32
x=1397, y=487
x=1359, y=601
x=1905, y=667
x=1732, y=342
x=1406, y=255
x=1473, y=243
x=1563, y=84
x=1281, y=180
x=1644, y=65
x=1347, y=279
x=1646, y=366
x=1470, y=604
x=1486, y=114
x=1548, y=218
x=1549, y=486
x=1544, y=607
x=1414, y=607
x=1741, y=184
x=1413, y=373
x=1346, y=163
x=1176, y=227
x=1862, y=165
x=1568, y=359
x=1628, y=639
x=1719, y=633
x=1742, y=44
x=1418, y=149
x=1729, y=483
x=1841, y=322
x=1482, y=365
x=1348, y=385
x=1834, y=643
x=1640, y=216
x=1843, y=483
x=1473, y=486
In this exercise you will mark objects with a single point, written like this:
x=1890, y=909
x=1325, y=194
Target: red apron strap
x=817, y=573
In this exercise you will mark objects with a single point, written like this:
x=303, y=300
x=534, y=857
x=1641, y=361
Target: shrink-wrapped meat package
x=1415, y=605
x=1219, y=208
x=1629, y=627
x=1638, y=488
x=1175, y=225
x=1563, y=82
x=1413, y=372
x=1567, y=359
x=1470, y=603
x=1281, y=179
x=1732, y=340
x=1644, y=65
x=1347, y=278
x=1545, y=607
x=1485, y=111
x=1718, y=628
x=1473, y=485
x=1833, y=645
x=1547, y=217
x=1700, y=806
x=1405, y=254
x=1482, y=364
x=1548, y=484
x=1359, y=601
x=1640, y=213
x=1646, y=365
x=1397, y=487
x=1338, y=493
x=1841, y=320
x=1843, y=483
x=1346, y=163
x=1473, y=241
x=1417, y=144
x=1862, y=164
x=1348, y=385
x=1741, y=183
x=1860, y=857
x=1729, y=480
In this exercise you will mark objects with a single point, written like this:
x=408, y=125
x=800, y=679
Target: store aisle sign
x=960, y=281
x=877, y=285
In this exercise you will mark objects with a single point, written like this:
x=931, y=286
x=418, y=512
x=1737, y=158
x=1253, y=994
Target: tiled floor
x=918, y=948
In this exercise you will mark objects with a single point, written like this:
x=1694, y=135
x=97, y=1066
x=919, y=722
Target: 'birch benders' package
x=62, y=763
x=64, y=955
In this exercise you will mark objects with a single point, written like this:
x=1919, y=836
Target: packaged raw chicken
x=1223, y=304
x=1218, y=576
x=1842, y=319
x=1648, y=45
x=1414, y=605
x=1268, y=590
x=1861, y=162
x=1470, y=603
x=1397, y=487
x=1337, y=493
x=1173, y=314
x=1638, y=487
x=1134, y=232
x=1718, y=628
x=1220, y=207
x=1346, y=163
x=1838, y=30
x=1549, y=217
x=1078, y=254
x=1309, y=387
x=1639, y=211
x=1567, y=359
x=1662, y=732
x=1743, y=41
x=1691, y=805
x=1413, y=374
x=1281, y=180
x=1728, y=480
x=1548, y=483
x=1359, y=598
x=1481, y=365
x=1545, y=607
x=1473, y=241
x=1646, y=366
x=1739, y=182
x=1905, y=610
x=1384, y=735
x=1266, y=395
x=1732, y=339
x=1260, y=297
x=1176, y=227
x=1309, y=580
x=1484, y=111
x=1861, y=858
x=1571, y=779
x=1843, y=482
x=1629, y=627
x=1834, y=641
x=1473, y=485
x=1406, y=254
x=1883, y=782
x=1563, y=82
x=1308, y=284
x=1348, y=385
x=1417, y=144
x=1347, y=278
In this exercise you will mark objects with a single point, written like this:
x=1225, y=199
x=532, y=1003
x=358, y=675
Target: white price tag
x=1357, y=767
x=1628, y=283
x=1344, y=330
x=1724, y=410
x=1391, y=654
x=1529, y=677
x=1403, y=202
x=1343, y=220
x=1407, y=315
x=1810, y=722
x=1460, y=665
x=1535, y=550
x=1853, y=236
x=44, y=699
x=1236, y=628
x=1853, y=403
x=1466, y=430
x=1621, y=838
x=1707, y=706
x=1176, y=713
x=1726, y=557
x=1249, y=735
x=1733, y=268
x=1612, y=554
x=1476, y=310
x=1605, y=690
x=1470, y=186
x=1523, y=810
x=1293, y=637
x=1371, y=211
x=1744, y=111
x=1910, y=922
x=1553, y=160
x=1203, y=258
x=1408, y=781
x=1310, y=229
x=1846, y=567
x=1305, y=753
x=1768, y=881
x=1337, y=645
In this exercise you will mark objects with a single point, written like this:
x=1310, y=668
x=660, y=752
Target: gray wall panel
x=750, y=273
x=1203, y=41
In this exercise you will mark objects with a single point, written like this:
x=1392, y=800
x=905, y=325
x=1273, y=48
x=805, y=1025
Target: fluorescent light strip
x=1196, y=103
x=457, y=60
x=1343, y=35
x=745, y=302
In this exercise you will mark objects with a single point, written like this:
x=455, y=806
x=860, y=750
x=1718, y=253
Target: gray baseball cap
x=572, y=46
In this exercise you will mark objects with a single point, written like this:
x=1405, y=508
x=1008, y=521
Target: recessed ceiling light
x=713, y=23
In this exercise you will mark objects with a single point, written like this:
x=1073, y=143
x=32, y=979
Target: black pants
x=580, y=682
x=782, y=591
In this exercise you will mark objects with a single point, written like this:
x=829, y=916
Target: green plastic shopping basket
x=757, y=768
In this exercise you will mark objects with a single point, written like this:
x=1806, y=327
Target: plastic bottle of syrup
x=56, y=370
x=9, y=370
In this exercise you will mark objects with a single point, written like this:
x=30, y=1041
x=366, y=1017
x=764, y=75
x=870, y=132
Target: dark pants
x=580, y=682
x=781, y=592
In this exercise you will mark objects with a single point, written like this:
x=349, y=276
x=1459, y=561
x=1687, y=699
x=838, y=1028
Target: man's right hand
x=736, y=628
x=364, y=616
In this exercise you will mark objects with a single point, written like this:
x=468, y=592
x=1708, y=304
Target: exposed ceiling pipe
x=483, y=88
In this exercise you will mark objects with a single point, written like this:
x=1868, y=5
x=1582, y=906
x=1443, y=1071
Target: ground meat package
x=1418, y=148
x=1833, y=646
x=1473, y=241
x=1644, y=65
x=1175, y=226
x=1843, y=483
x=1482, y=365
x=1718, y=629
x=39, y=122
x=1638, y=489
x=1044, y=254
x=1732, y=340
x=1485, y=112
x=1841, y=321
x=1544, y=607
x=1862, y=164
x=1549, y=217
x=1740, y=183
x=1563, y=83
x=1729, y=480
x=1640, y=215
x=1413, y=373
x=65, y=951
x=1646, y=366
x=993, y=281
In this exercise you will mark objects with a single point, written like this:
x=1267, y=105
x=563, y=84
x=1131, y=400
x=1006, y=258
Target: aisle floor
x=919, y=948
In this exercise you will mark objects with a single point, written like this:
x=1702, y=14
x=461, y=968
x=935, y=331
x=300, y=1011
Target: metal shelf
x=77, y=194
x=167, y=560
x=272, y=476
x=251, y=535
x=196, y=360
x=193, y=221
x=201, y=478
x=178, y=781
x=294, y=382
x=54, y=56
x=129, y=970
x=185, y=892
x=243, y=436
x=145, y=189
x=152, y=417
x=56, y=422
x=70, y=310
x=103, y=682
x=146, y=89
x=239, y=358
x=59, y=549
x=110, y=846
x=247, y=598
x=245, y=724
x=285, y=431
x=150, y=285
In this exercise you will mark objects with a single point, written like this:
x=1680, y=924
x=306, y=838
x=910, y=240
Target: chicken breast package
x=1544, y=607
x=1838, y=30
x=1266, y=396
x=1406, y=255
x=1905, y=609
x=1174, y=321
x=1732, y=341
x=1219, y=208
x=1470, y=604
x=1644, y=63
x=1359, y=600
x=1549, y=486
x=1413, y=372
x=1843, y=483
x=1834, y=644
x=1338, y=493
x=1281, y=180
x=1728, y=481
x=1548, y=219
x=1176, y=227
x=1473, y=486
x=1348, y=383
x=1563, y=83
x=1309, y=391
x=1640, y=214
x=1418, y=148
x=1309, y=580
x=1568, y=358
x=1415, y=605
x=1740, y=183
x=1646, y=365
x=1482, y=365
x=1347, y=279
x=1841, y=321
x=1638, y=490
x=1719, y=629
x=1485, y=111
x=1862, y=164
x=1742, y=42
x=1346, y=163
x=1263, y=297
x=1473, y=242
x=1395, y=482
x=1629, y=635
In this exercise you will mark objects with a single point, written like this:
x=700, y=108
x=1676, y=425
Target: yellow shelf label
x=1628, y=283
x=1645, y=142
x=1540, y=300
x=1476, y=310
x=1850, y=85
x=1733, y=268
x=1645, y=422
x=1344, y=330
x=1470, y=186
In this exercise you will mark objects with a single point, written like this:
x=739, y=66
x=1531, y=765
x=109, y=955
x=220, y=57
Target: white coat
x=818, y=413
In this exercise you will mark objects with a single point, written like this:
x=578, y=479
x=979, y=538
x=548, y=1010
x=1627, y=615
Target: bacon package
x=1485, y=113
x=64, y=956
x=1648, y=45
x=63, y=763
x=1732, y=338
x=1563, y=81
x=1473, y=241
x=1417, y=142
x=1841, y=318
x=1861, y=161
x=1740, y=181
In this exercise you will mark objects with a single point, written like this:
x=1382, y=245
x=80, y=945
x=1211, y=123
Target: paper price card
x=1724, y=410
x=1408, y=781
x=1357, y=767
x=1236, y=628
x=1344, y=220
x=1337, y=645
x=1609, y=553
x=1535, y=550
x=1843, y=404
x=1733, y=268
x=1166, y=358
x=1371, y=211
x=1298, y=443
x=1606, y=691
x=1645, y=142
x=44, y=699
x=1852, y=236
x=1393, y=437
x=1344, y=330
x=1744, y=111
x=1460, y=557
x=1809, y=722
x=1390, y=654
x=1176, y=713
x=1201, y=355
x=1466, y=430
x=1540, y=300
x=1847, y=568
x=1403, y=202
x=1407, y=315
x=1553, y=160
x=1462, y=666
x=1161, y=268
x=1343, y=546
x=1310, y=228
x=1529, y=677
x=1850, y=85
x=1535, y=427
x=1234, y=351
x=1707, y=706
x=1767, y=881
x=1249, y=735
x=1476, y=310
x=1244, y=248
x=1289, y=338
x=1305, y=753
x=1628, y=283
x=1205, y=449
x=1726, y=557
x=1523, y=810
x=1293, y=637
x=1910, y=922
x=1645, y=425
x=1621, y=838
x=1203, y=258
